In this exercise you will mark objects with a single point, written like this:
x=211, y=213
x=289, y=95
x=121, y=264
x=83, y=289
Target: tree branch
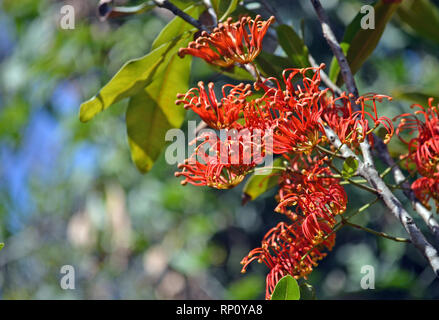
x=366, y=167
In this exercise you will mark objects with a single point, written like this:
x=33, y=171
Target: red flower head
x=297, y=110
x=424, y=148
x=222, y=164
x=217, y=114
x=353, y=127
x=230, y=42
x=315, y=194
x=285, y=250
x=427, y=188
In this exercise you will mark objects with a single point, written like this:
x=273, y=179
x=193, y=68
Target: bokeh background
x=70, y=194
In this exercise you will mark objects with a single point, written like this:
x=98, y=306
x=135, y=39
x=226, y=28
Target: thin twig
x=377, y=233
x=175, y=10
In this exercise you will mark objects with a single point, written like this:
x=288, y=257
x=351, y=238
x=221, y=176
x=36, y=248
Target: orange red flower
x=424, y=147
x=230, y=42
x=285, y=250
x=218, y=114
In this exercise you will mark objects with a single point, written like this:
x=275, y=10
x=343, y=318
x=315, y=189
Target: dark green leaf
x=286, y=289
x=259, y=183
x=271, y=65
x=293, y=46
x=358, y=43
x=307, y=292
x=350, y=166
x=422, y=16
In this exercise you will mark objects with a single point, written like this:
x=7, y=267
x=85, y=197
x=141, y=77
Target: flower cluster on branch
x=294, y=110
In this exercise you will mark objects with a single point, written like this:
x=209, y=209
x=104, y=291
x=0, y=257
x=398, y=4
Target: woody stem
x=366, y=167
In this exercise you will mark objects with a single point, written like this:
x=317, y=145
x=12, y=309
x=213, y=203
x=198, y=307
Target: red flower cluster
x=423, y=150
x=217, y=114
x=286, y=250
x=229, y=43
x=316, y=195
x=293, y=113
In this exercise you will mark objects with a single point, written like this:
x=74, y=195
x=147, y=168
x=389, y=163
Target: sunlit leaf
x=176, y=27
x=128, y=81
x=350, y=166
x=1, y=246
x=152, y=111
x=286, y=289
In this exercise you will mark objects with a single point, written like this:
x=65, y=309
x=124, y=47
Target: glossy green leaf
x=286, y=289
x=350, y=166
x=259, y=183
x=129, y=80
x=139, y=73
x=152, y=112
x=422, y=16
x=293, y=46
x=358, y=43
x=307, y=291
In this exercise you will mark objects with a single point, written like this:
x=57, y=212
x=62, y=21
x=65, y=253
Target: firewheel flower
x=285, y=250
x=316, y=196
x=222, y=164
x=353, y=127
x=218, y=114
x=423, y=149
x=426, y=188
x=230, y=42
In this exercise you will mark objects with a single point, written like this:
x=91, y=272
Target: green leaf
x=152, y=112
x=234, y=72
x=130, y=79
x=307, y=292
x=138, y=73
x=422, y=16
x=224, y=8
x=416, y=96
x=176, y=27
x=293, y=46
x=1, y=245
x=259, y=183
x=358, y=43
x=272, y=65
x=350, y=166
x=286, y=289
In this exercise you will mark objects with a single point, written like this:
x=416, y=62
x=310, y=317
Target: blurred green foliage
x=71, y=195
